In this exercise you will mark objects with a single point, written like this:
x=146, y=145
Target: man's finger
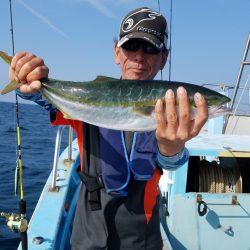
x=184, y=112
x=28, y=68
x=31, y=88
x=170, y=112
x=21, y=61
x=201, y=115
x=15, y=58
x=159, y=115
x=38, y=73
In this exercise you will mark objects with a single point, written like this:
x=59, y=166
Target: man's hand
x=175, y=128
x=28, y=69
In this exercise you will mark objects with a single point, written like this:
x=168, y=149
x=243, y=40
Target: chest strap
x=91, y=173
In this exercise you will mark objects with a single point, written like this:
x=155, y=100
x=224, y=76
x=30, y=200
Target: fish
x=126, y=105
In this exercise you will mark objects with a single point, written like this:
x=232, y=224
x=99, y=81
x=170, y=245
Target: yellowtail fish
x=118, y=104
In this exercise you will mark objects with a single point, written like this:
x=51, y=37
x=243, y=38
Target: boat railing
x=57, y=152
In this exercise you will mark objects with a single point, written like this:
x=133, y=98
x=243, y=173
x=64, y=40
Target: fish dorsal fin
x=104, y=79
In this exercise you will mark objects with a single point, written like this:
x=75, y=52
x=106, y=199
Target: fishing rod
x=17, y=222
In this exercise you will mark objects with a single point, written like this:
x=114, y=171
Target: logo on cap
x=136, y=18
x=129, y=23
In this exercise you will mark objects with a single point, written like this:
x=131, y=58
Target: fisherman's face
x=138, y=61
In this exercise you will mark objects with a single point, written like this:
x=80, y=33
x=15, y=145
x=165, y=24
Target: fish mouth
x=219, y=110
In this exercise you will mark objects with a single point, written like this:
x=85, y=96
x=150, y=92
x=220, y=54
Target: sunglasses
x=134, y=45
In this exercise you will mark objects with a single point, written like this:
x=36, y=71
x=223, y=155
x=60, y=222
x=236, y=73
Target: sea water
x=37, y=150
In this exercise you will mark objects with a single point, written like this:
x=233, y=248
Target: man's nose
x=140, y=55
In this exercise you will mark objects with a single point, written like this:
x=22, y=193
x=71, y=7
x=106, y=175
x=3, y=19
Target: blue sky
x=75, y=37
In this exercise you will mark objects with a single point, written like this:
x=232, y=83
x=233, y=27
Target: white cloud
x=42, y=18
x=98, y=4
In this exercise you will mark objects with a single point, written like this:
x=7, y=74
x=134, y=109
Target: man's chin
x=136, y=75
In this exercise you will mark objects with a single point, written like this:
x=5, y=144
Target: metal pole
x=69, y=160
x=70, y=144
x=56, y=156
x=243, y=63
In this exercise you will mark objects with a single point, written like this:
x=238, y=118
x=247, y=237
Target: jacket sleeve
x=173, y=162
x=38, y=99
x=56, y=117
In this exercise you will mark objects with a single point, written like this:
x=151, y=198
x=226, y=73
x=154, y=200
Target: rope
x=214, y=178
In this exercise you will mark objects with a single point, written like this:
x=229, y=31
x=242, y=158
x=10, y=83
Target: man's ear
x=117, y=54
x=164, y=57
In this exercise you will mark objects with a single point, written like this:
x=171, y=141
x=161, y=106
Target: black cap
x=144, y=23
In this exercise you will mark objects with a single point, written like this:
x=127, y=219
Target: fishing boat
x=203, y=205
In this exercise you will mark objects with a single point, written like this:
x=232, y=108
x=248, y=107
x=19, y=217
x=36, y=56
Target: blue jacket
x=117, y=165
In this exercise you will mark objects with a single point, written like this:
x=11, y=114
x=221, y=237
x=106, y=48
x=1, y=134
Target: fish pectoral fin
x=104, y=79
x=6, y=57
x=13, y=85
x=144, y=110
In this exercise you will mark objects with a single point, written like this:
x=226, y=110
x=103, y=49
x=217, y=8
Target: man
x=120, y=210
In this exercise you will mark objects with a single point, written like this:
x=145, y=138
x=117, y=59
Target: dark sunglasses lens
x=131, y=46
x=136, y=45
x=149, y=49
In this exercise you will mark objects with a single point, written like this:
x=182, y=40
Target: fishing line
x=159, y=7
x=170, y=41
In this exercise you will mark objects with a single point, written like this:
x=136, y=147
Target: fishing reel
x=17, y=223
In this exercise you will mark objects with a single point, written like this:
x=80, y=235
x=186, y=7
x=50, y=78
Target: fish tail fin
x=13, y=84
x=5, y=57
